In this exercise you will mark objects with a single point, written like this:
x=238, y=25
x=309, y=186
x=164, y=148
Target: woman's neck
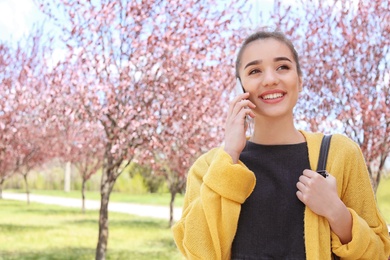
x=276, y=132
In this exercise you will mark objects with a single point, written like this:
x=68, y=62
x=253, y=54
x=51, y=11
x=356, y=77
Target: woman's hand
x=320, y=195
x=317, y=192
x=235, y=128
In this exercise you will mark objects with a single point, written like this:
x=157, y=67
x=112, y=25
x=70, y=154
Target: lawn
x=383, y=198
x=161, y=199
x=41, y=232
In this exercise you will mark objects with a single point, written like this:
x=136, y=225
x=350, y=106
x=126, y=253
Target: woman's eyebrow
x=256, y=62
x=282, y=58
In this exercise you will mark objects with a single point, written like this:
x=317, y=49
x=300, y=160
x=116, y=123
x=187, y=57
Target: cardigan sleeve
x=370, y=237
x=215, y=190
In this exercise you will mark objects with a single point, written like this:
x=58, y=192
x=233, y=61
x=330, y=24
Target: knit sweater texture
x=270, y=225
x=216, y=188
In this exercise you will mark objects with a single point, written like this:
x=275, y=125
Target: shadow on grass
x=12, y=228
x=84, y=254
x=140, y=223
x=166, y=242
x=83, y=222
x=137, y=223
x=55, y=210
x=50, y=254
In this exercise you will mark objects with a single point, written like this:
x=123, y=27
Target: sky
x=18, y=16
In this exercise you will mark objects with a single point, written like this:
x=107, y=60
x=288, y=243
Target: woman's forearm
x=340, y=221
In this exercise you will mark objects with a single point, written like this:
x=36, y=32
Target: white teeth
x=272, y=96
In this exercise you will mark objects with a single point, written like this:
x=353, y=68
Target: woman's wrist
x=234, y=155
x=340, y=221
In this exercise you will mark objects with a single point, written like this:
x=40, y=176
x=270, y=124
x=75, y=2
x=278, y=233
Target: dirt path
x=128, y=208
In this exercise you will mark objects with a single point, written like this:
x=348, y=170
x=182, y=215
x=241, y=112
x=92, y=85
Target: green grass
x=383, y=198
x=42, y=232
x=149, y=198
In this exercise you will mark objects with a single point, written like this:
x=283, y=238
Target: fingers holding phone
x=235, y=128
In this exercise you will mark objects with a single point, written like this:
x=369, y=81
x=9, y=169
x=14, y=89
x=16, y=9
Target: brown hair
x=261, y=35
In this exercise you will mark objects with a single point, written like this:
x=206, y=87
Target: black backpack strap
x=323, y=157
x=321, y=165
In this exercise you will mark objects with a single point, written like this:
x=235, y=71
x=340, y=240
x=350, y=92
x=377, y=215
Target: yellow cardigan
x=216, y=188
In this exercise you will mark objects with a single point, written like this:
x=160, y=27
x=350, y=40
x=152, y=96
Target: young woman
x=259, y=198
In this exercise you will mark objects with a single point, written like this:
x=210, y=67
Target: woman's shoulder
x=336, y=137
x=340, y=143
x=344, y=140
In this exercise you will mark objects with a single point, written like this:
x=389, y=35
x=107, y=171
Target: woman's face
x=269, y=73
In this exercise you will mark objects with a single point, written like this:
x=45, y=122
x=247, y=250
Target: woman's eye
x=254, y=71
x=283, y=67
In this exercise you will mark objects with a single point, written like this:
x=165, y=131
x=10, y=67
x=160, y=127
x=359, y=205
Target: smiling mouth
x=272, y=96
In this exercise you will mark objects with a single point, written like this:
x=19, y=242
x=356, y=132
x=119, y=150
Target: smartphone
x=239, y=88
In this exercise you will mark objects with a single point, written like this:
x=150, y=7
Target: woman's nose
x=270, y=78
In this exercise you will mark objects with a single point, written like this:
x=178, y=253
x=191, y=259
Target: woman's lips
x=272, y=96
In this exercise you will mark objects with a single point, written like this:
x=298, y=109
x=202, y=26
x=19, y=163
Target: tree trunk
x=27, y=188
x=83, y=195
x=375, y=182
x=375, y=178
x=1, y=188
x=67, y=177
x=171, y=206
x=107, y=183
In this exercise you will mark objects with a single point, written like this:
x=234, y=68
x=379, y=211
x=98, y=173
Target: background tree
x=29, y=147
x=116, y=51
x=345, y=53
x=86, y=154
x=8, y=107
x=20, y=89
x=30, y=142
x=77, y=140
x=190, y=118
x=150, y=179
x=194, y=77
